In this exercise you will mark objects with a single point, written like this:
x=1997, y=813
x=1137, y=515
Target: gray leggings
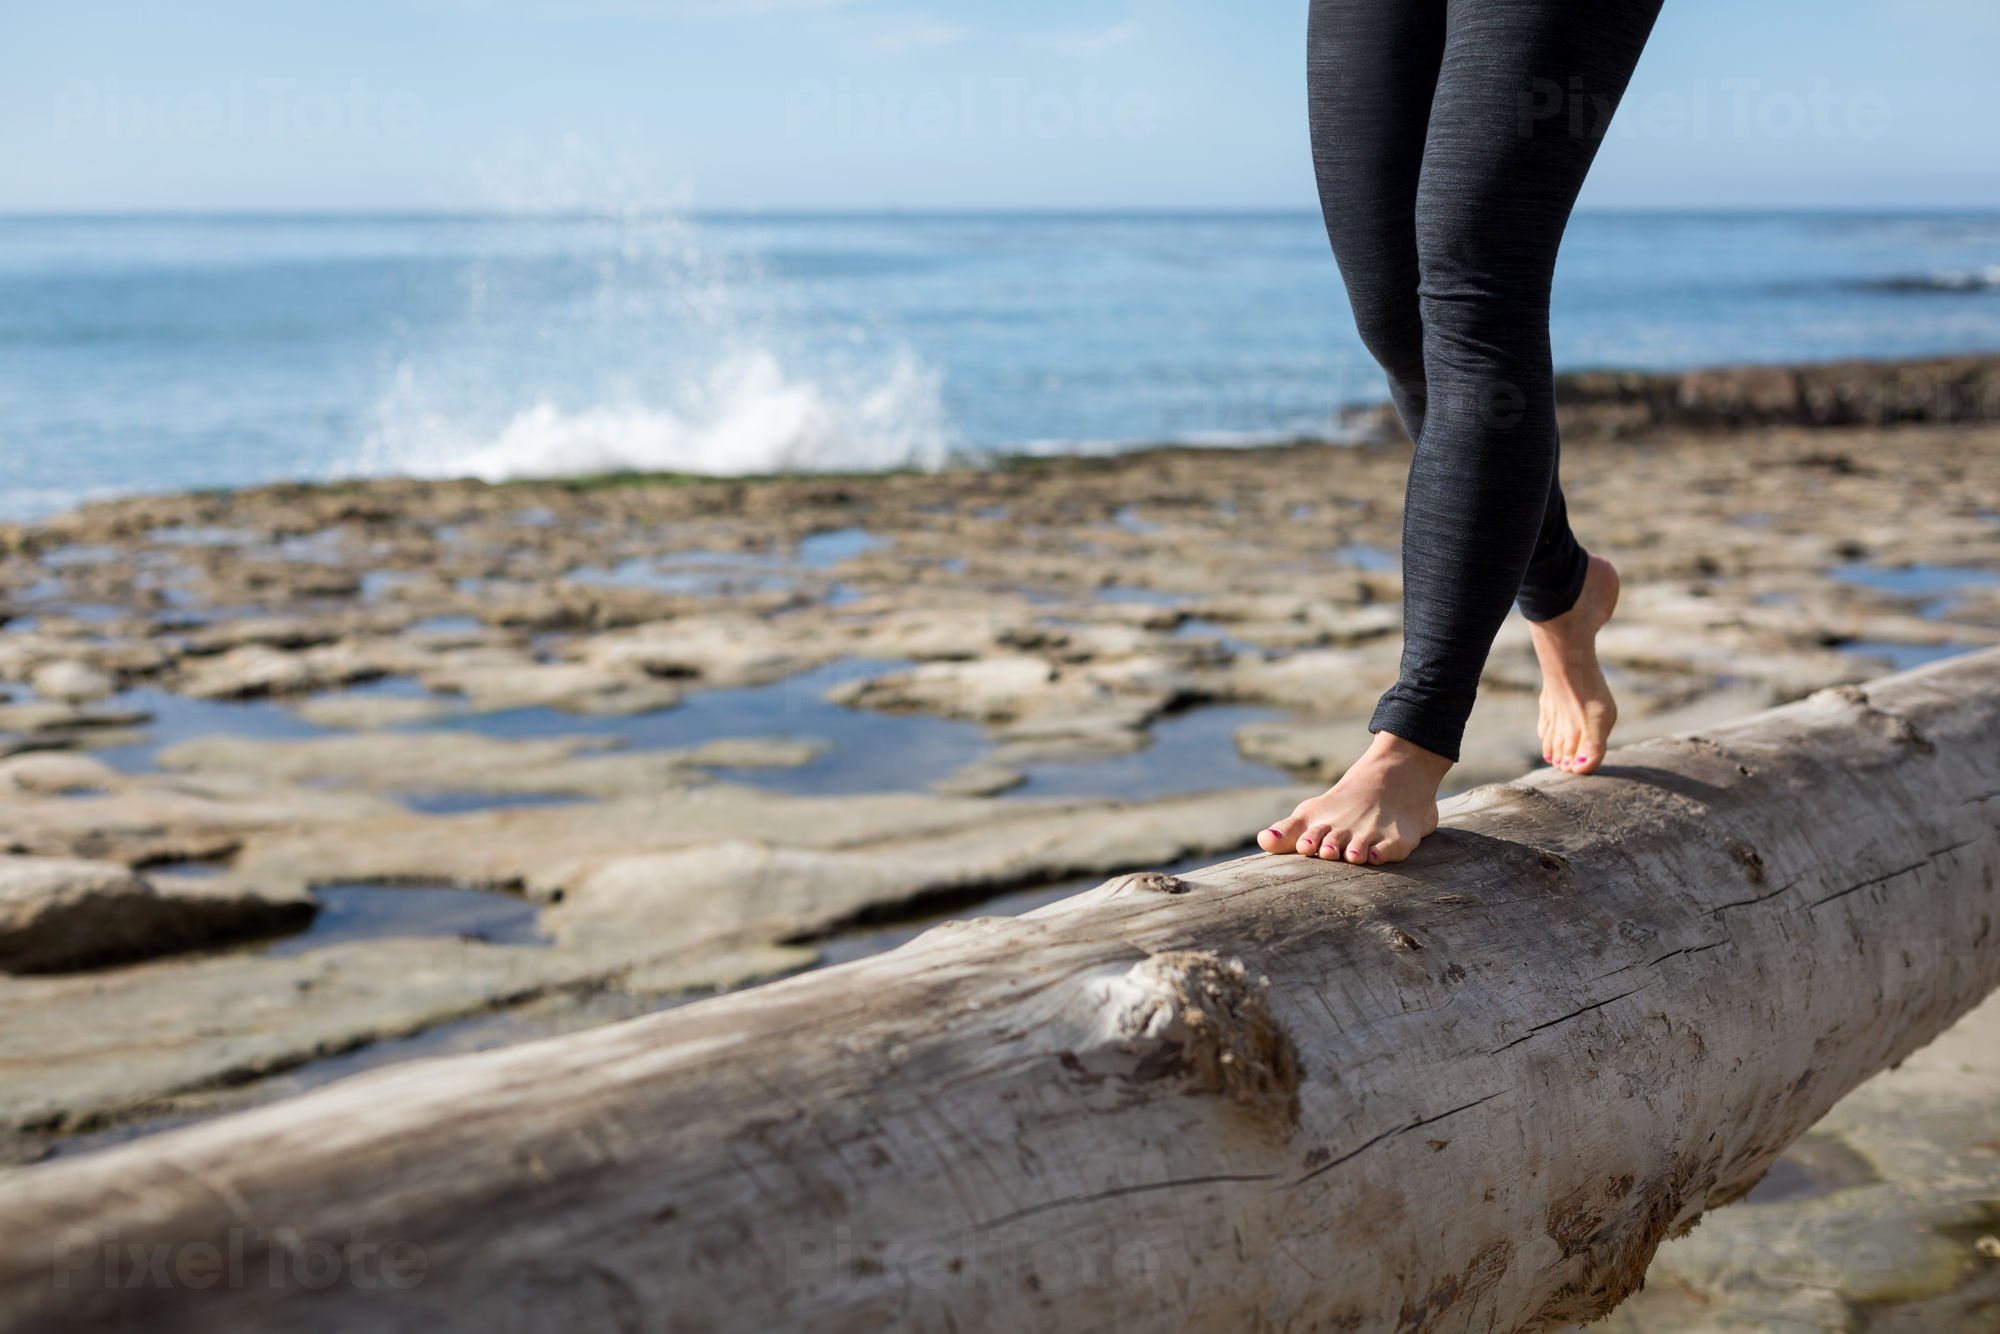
x=1450, y=139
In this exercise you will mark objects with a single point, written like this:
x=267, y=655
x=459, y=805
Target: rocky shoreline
x=622, y=740
x=1610, y=404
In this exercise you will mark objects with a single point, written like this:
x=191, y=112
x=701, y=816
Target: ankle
x=1391, y=751
x=1593, y=605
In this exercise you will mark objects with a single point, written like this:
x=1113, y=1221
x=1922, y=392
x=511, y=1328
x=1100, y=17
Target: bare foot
x=1577, y=708
x=1377, y=812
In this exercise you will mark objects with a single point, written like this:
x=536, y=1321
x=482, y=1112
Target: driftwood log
x=1470, y=1092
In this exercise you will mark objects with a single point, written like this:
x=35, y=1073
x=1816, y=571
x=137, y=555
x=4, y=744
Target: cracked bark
x=1091, y=1117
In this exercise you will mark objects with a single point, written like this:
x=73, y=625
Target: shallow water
x=823, y=551
x=1133, y=595
x=1191, y=752
x=1916, y=579
x=1816, y=1164
x=1902, y=657
x=376, y=912
x=1198, y=627
x=1364, y=557
x=447, y=625
x=1938, y=585
x=708, y=573
x=696, y=574
x=176, y=718
x=459, y=801
x=868, y=751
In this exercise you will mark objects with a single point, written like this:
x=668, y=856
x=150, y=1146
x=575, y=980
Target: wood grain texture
x=1470, y=1092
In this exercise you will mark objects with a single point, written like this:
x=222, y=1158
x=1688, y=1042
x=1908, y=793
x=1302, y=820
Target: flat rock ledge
x=59, y=913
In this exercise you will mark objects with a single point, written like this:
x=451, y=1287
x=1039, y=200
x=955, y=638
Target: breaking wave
x=746, y=415
x=1942, y=280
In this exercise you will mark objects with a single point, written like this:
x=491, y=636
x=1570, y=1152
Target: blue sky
x=440, y=104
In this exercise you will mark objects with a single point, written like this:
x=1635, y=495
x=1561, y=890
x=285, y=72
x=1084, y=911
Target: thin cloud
x=1084, y=41
x=1959, y=17
x=725, y=7
x=920, y=35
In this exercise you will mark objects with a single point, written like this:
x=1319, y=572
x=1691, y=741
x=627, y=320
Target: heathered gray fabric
x=1450, y=139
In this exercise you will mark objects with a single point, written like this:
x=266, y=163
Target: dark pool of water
x=1937, y=584
x=198, y=535
x=1145, y=597
x=705, y=573
x=1816, y=1164
x=86, y=613
x=175, y=718
x=1200, y=627
x=1364, y=557
x=822, y=551
x=1902, y=657
x=1191, y=752
x=723, y=575
x=867, y=752
x=1132, y=521
x=74, y=554
x=459, y=802
x=447, y=625
x=157, y=871
x=379, y=912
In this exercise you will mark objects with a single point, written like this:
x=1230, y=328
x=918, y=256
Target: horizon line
x=730, y=212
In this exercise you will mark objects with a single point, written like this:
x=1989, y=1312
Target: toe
x=1590, y=749
x=1312, y=840
x=1334, y=845
x=1282, y=837
x=1358, y=851
x=1394, y=848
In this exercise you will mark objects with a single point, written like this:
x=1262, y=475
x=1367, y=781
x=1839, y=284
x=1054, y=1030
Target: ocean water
x=141, y=353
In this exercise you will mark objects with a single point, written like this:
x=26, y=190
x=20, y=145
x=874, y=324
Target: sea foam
x=642, y=341
x=745, y=415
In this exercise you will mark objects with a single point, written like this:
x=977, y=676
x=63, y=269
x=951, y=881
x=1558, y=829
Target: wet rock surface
x=686, y=734
x=60, y=913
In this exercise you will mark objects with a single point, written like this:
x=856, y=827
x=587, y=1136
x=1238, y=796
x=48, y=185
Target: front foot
x=1577, y=711
x=1378, y=812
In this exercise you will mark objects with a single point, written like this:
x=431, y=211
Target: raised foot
x=1577, y=711
x=1378, y=812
